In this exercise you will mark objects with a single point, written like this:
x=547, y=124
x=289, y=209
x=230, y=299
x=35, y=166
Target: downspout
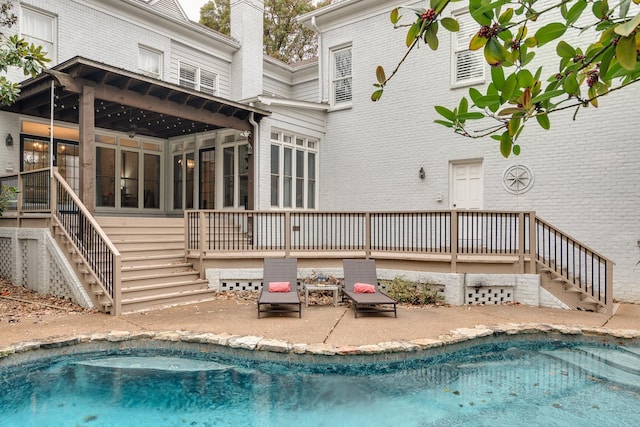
x=256, y=158
x=320, y=74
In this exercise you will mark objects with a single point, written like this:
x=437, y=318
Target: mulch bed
x=18, y=303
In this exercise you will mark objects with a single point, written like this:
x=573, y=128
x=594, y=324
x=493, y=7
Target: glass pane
x=243, y=175
x=177, y=181
x=191, y=163
x=287, y=178
x=129, y=179
x=105, y=177
x=35, y=154
x=311, y=181
x=275, y=175
x=299, y=178
x=67, y=161
x=228, y=171
x=152, y=181
x=207, y=179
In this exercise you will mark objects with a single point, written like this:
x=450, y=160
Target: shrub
x=7, y=194
x=410, y=292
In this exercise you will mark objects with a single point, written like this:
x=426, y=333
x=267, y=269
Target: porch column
x=87, y=147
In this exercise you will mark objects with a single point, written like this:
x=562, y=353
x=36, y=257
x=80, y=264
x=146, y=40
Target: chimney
x=247, y=66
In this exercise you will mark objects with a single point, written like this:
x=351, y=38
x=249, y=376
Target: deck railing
x=574, y=262
x=455, y=236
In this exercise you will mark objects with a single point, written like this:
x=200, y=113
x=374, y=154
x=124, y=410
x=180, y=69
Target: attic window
x=341, y=79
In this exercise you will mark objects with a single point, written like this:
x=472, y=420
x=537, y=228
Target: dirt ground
x=19, y=304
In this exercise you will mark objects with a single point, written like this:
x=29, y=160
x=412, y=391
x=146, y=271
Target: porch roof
x=129, y=102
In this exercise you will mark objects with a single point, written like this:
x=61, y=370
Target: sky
x=192, y=8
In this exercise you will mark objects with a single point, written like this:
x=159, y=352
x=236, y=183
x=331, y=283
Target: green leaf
x=509, y=87
x=525, y=79
x=463, y=106
x=380, y=75
x=413, y=32
x=516, y=149
x=531, y=42
x=549, y=94
x=606, y=61
x=477, y=42
x=576, y=10
x=488, y=101
x=445, y=112
x=628, y=27
x=543, y=120
x=450, y=24
x=375, y=96
x=443, y=123
x=474, y=94
x=431, y=36
x=474, y=115
x=624, y=8
x=550, y=32
x=626, y=52
x=509, y=111
x=522, y=33
x=570, y=85
x=505, y=145
x=497, y=77
x=514, y=125
x=505, y=16
x=564, y=50
x=494, y=52
x=395, y=16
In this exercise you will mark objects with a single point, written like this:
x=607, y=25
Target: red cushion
x=364, y=288
x=279, y=287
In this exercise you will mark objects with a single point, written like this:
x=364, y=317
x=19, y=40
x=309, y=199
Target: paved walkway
x=335, y=326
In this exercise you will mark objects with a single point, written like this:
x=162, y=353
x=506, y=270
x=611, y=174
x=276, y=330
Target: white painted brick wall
x=586, y=171
x=247, y=66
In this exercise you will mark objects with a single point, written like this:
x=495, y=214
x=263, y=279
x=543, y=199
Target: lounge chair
x=278, y=272
x=363, y=271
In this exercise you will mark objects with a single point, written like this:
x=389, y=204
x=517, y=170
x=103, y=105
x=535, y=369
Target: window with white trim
x=150, y=62
x=293, y=171
x=341, y=78
x=467, y=65
x=40, y=29
x=193, y=77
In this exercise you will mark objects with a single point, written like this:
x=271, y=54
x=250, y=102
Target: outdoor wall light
x=9, y=140
x=421, y=173
x=245, y=134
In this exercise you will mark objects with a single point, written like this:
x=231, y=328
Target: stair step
x=158, y=279
x=156, y=269
x=129, y=260
x=595, y=366
x=167, y=300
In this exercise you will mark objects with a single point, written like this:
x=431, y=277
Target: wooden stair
x=154, y=271
x=566, y=290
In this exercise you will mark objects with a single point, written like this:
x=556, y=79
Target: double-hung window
x=40, y=29
x=341, y=77
x=293, y=171
x=467, y=65
x=150, y=62
x=198, y=79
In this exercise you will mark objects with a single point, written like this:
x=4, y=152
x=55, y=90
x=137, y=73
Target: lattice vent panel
x=24, y=256
x=58, y=286
x=7, y=257
x=240, y=285
x=489, y=295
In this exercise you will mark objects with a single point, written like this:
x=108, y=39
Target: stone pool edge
x=269, y=345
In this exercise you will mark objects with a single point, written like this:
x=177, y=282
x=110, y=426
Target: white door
x=466, y=185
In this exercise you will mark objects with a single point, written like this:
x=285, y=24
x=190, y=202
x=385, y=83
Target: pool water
x=486, y=385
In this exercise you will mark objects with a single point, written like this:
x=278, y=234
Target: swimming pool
x=504, y=382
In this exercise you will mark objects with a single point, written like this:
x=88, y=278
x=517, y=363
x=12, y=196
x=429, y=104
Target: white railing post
x=454, y=240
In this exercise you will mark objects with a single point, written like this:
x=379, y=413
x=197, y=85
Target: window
x=150, y=62
x=183, y=180
x=293, y=171
x=195, y=78
x=235, y=175
x=40, y=29
x=468, y=65
x=341, y=77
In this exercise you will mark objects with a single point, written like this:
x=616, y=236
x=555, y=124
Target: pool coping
x=273, y=348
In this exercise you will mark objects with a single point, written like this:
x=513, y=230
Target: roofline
x=286, y=102
x=346, y=10
x=78, y=60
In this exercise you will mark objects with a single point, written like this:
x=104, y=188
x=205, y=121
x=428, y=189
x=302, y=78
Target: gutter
x=314, y=25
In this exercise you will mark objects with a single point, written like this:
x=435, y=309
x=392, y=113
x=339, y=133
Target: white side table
x=320, y=287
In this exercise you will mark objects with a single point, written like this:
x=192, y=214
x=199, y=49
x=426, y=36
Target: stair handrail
x=604, y=296
x=97, y=251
